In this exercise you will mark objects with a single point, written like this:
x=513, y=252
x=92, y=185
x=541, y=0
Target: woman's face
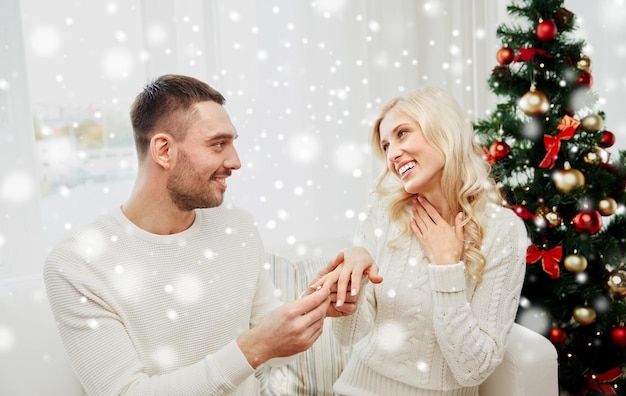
x=410, y=157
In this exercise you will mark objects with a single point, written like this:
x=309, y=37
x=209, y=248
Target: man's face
x=204, y=159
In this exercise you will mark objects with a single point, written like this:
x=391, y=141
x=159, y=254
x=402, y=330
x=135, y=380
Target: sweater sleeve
x=265, y=299
x=350, y=329
x=473, y=334
x=105, y=358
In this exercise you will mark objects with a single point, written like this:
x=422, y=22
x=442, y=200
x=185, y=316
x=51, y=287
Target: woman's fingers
x=345, y=273
x=418, y=219
x=442, y=242
x=458, y=226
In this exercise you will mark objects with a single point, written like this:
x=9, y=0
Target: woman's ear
x=161, y=146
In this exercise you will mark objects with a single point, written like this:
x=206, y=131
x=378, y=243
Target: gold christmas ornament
x=592, y=123
x=617, y=283
x=553, y=218
x=534, y=102
x=542, y=211
x=575, y=263
x=568, y=179
x=540, y=216
x=597, y=155
x=584, y=64
x=607, y=206
x=584, y=315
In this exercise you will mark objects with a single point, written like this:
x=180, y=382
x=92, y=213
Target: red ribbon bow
x=526, y=54
x=568, y=126
x=490, y=158
x=523, y=212
x=600, y=383
x=549, y=259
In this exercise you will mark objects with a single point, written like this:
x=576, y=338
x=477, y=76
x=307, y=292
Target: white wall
x=602, y=26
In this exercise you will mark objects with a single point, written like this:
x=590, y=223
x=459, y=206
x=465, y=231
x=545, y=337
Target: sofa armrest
x=33, y=360
x=529, y=367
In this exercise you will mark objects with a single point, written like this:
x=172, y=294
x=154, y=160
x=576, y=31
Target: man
x=167, y=294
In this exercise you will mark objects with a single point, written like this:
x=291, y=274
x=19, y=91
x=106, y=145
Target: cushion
x=313, y=372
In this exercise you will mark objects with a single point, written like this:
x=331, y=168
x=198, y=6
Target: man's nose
x=233, y=162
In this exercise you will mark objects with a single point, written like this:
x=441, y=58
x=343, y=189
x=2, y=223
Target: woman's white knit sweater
x=430, y=329
x=146, y=314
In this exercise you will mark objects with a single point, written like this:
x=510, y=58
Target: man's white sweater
x=146, y=314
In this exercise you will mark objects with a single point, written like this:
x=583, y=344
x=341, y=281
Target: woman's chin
x=410, y=190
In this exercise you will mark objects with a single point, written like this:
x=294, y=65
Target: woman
x=452, y=258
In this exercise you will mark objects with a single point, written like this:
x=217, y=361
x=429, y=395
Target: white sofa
x=33, y=361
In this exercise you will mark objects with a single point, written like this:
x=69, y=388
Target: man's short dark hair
x=166, y=103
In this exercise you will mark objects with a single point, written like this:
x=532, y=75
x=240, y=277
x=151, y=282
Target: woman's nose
x=393, y=153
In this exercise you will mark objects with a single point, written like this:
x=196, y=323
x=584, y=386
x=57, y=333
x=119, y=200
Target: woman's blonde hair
x=465, y=180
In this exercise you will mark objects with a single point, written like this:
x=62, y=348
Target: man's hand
x=287, y=330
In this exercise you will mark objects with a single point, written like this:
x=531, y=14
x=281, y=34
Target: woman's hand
x=349, y=305
x=345, y=272
x=441, y=242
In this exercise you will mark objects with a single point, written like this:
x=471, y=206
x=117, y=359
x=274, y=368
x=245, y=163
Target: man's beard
x=188, y=189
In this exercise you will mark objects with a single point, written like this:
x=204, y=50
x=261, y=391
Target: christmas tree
x=549, y=147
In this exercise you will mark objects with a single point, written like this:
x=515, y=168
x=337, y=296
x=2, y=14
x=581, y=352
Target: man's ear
x=161, y=146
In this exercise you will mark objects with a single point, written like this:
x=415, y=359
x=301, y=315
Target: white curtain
x=303, y=80
x=20, y=219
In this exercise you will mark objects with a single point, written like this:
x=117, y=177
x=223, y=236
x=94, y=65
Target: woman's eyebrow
x=400, y=126
x=395, y=130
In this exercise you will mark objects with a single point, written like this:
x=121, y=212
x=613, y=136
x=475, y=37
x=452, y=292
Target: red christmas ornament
x=585, y=79
x=546, y=30
x=589, y=220
x=618, y=336
x=505, y=55
x=557, y=335
x=608, y=139
x=499, y=150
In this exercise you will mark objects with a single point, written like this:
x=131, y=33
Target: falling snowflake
x=16, y=186
x=391, y=336
x=45, y=41
x=7, y=339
